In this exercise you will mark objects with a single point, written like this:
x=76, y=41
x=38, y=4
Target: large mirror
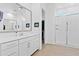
x=8, y=22
x=15, y=17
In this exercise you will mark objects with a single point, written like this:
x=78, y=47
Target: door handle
x=18, y=26
x=67, y=26
x=15, y=26
x=28, y=44
x=67, y=32
x=56, y=25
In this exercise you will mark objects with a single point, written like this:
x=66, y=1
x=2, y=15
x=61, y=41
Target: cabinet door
x=60, y=30
x=9, y=49
x=34, y=44
x=26, y=46
x=23, y=47
x=73, y=30
x=30, y=46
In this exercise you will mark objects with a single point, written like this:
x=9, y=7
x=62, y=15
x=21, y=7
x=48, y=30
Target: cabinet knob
x=56, y=25
x=28, y=44
x=57, y=28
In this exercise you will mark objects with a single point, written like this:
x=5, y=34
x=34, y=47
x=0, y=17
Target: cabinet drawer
x=10, y=52
x=10, y=48
x=9, y=45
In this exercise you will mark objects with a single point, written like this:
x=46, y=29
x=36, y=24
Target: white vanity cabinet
x=25, y=46
x=9, y=49
x=28, y=45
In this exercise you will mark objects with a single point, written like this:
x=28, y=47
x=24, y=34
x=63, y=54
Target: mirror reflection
x=14, y=17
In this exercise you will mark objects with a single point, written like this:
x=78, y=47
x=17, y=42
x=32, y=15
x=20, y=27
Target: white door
x=60, y=30
x=73, y=30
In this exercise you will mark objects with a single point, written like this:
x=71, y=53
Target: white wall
x=50, y=24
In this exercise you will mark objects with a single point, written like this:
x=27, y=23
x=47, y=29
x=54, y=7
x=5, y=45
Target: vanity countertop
x=7, y=38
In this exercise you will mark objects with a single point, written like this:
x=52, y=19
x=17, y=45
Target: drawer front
x=10, y=48
x=9, y=45
x=10, y=52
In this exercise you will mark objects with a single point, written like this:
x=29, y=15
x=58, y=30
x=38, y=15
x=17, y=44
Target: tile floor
x=57, y=50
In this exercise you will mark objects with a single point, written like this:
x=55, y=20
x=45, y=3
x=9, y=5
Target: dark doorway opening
x=43, y=26
x=43, y=31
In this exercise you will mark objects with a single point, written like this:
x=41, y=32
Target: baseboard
x=69, y=46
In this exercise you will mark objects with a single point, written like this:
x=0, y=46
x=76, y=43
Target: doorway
x=43, y=26
x=43, y=31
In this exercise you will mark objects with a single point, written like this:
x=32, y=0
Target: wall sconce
x=27, y=25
